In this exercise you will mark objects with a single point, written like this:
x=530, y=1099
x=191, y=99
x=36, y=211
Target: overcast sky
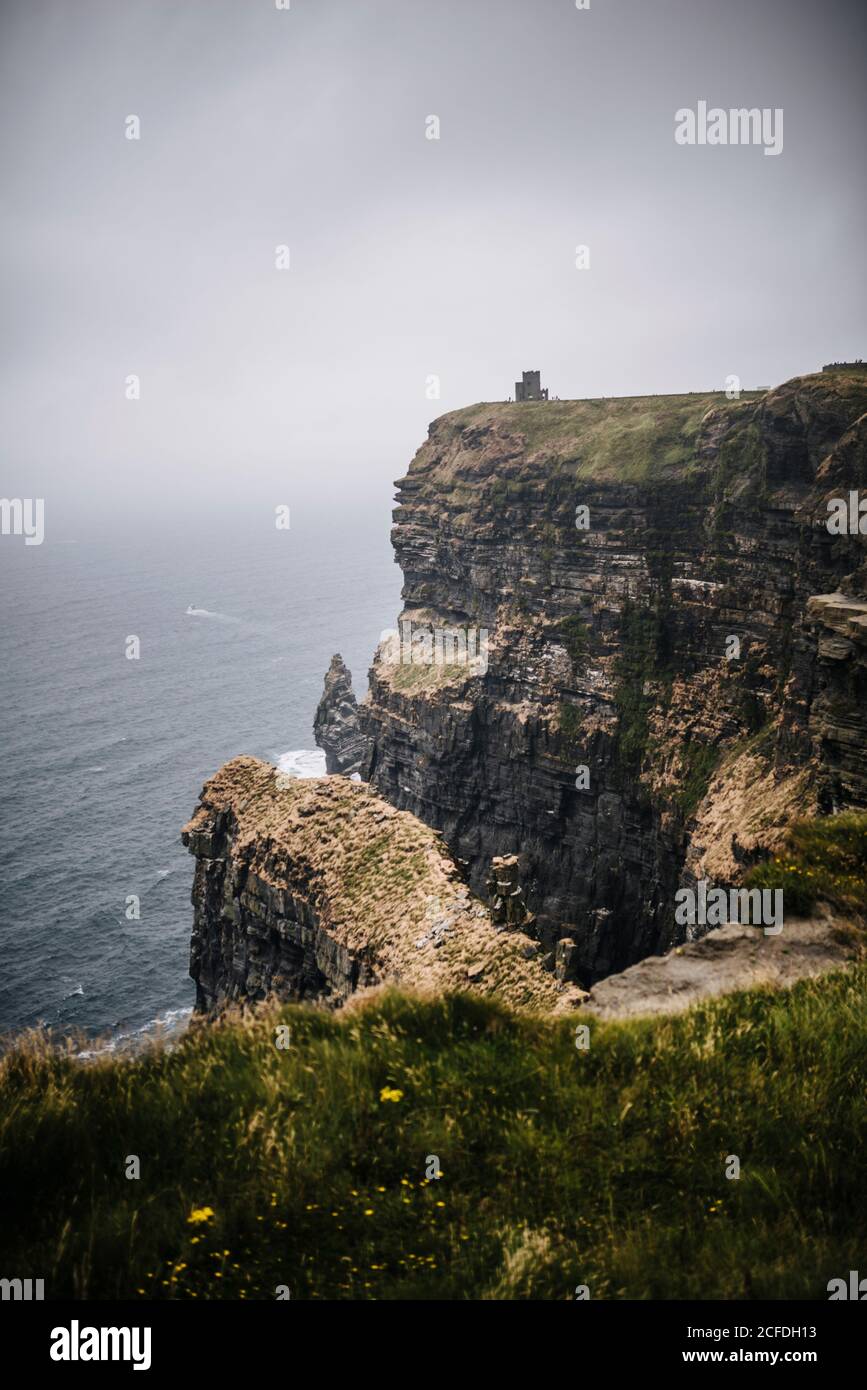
x=409, y=257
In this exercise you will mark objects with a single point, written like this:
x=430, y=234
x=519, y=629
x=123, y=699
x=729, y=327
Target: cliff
x=615, y=737
x=632, y=655
x=313, y=889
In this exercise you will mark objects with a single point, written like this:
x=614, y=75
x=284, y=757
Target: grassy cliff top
x=378, y=879
x=628, y=439
x=608, y=438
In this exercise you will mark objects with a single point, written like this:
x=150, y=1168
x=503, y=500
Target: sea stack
x=335, y=724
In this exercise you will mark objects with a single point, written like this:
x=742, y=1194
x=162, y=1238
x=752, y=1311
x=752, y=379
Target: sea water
x=102, y=757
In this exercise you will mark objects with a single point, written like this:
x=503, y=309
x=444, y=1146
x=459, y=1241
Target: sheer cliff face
x=609, y=645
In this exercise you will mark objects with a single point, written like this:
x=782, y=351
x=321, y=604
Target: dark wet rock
x=335, y=725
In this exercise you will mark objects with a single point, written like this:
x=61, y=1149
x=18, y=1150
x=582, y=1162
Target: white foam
x=167, y=1027
x=192, y=612
x=302, y=762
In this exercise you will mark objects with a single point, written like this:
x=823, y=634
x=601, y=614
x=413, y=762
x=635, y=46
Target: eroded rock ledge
x=733, y=957
x=315, y=888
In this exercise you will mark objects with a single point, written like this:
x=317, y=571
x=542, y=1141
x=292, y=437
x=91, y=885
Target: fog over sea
x=103, y=757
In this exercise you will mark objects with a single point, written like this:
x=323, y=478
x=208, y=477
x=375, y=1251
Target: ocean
x=103, y=757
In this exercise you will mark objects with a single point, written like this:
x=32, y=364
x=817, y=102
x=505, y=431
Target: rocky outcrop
x=335, y=725
x=506, y=896
x=733, y=957
x=837, y=624
x=658, y=696
x=313, y=889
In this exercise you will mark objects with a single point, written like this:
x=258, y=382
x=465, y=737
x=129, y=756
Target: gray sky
x=409, y=256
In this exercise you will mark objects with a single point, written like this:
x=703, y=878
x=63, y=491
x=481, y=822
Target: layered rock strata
x=335, y=725
x=312, y=889
x=671, y=675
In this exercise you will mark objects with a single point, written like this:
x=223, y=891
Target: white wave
x=302, y=762
x=168, y=1026
x=159, y=877
x=248, y=627
x=79, y=989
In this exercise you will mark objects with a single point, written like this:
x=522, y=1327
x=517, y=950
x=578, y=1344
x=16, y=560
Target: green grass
x=560, y=1167
x=576, y=639
x=571, y=725
x=824, y=858
x=644, y=659
x=742, y=465
x=700, y=763
x=621, y=438
x=428, y=675
x=625, y=438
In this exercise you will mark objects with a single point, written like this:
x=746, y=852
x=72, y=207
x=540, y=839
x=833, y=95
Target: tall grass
x=824, y=857
x=306, y=1167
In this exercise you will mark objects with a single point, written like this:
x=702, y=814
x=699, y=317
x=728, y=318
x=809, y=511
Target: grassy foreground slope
x=306, y=1166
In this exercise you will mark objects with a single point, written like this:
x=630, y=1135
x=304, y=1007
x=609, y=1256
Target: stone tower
x=529, y=388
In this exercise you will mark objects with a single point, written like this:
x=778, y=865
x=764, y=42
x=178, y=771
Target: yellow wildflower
x=199, y=1214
